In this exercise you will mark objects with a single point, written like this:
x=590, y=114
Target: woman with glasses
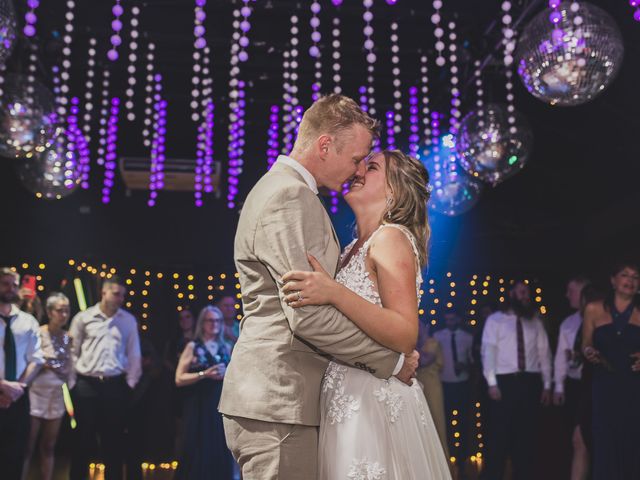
x=200, y=372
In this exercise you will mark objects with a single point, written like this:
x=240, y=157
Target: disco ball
x=52, y=173
x=572, y=62
x=493, y=144
x=28, y=123
x=454, y=194
x=7, y=29
x=452, y=191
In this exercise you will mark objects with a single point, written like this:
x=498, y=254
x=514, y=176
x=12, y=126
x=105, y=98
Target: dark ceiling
x=574, y=207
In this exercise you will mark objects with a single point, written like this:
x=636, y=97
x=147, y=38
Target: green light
x=82, y=303
x=513, y=159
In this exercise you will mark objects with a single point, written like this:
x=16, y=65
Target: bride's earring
x=389, y=203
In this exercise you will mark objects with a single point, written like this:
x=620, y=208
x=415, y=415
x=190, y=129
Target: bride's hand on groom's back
x=308, y=288
x=409, y=367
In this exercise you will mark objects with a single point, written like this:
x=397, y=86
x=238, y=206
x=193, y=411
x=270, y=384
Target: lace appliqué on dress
x=365, y=470
x=393, y=401
x=419, y=404
x=342, y=406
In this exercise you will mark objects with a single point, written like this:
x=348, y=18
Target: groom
x=270, y=397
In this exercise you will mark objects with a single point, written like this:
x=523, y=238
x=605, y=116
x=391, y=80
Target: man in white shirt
x=457, y=352
x=107, y=360
x=20, y=360
x=517, y=366
x=568, y=372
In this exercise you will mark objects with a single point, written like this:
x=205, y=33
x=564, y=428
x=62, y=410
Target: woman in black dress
x=611, y=341
x=204, y=454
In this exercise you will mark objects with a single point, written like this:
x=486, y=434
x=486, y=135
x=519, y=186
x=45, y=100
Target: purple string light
x=414, y=128
x=208, y=144
x=362, y=90
x=334, y=202
x=236, y=145
x=272, y=142
x=391, y=139
x=156, y=177
x=204, y=155
x=370, y=57
x=314, y=51
x=30, y=18
x=636, y=14
x=116, y=26
x=245, y=26
x=77, y=143
x=110, y=158
x=479, y=93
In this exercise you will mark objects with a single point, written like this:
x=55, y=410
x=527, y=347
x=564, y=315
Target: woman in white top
x=45, y=394
x=372, y=428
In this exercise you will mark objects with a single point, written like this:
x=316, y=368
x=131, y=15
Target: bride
x=374, y=429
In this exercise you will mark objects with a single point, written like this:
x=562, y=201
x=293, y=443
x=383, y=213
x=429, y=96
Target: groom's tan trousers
x=272, y=451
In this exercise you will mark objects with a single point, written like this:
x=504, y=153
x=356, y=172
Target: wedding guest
x=20, y=360
x=45, y=394
x=428, y=374
x=185, y=332
x=457, y=352
x=227, y=305
x=568, y=373
x=611, y=341
x=106, y=356
x=517, y=366
x=204, y=454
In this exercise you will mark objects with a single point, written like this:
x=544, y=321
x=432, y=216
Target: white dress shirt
x=313, y=185
x=500, y=347
x=106, y=346
x=464, y=342
x=563, y=368
x=26, y=334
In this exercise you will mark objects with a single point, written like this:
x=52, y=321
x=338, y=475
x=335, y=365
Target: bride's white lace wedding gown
x=373, y=429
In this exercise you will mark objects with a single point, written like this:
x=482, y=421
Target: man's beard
x=523, y=310
x=9, y=298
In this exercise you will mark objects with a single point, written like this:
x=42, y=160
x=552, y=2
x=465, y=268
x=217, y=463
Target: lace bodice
x=354, y=274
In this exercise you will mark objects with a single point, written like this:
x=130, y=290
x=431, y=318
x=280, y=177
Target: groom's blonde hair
x=332, y=115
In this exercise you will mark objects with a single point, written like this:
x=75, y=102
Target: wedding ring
x=300, y=296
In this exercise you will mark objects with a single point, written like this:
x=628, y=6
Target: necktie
x=521, y=356
x=9, y=347
x=454, y=350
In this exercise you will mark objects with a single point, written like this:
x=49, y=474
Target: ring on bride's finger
x=300, y=297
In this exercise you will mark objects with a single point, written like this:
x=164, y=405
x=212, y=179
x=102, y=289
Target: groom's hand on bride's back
x=409, y=367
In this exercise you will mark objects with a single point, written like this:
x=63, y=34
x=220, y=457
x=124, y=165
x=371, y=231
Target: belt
x=103, y=378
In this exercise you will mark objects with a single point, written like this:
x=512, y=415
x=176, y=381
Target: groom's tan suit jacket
x=276, y=369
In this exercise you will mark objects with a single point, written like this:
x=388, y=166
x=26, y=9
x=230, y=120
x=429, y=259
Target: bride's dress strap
x=411, y=238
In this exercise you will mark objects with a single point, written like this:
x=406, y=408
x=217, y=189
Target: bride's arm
x=396, y=324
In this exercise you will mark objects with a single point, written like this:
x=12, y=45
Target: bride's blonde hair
x=408, y=181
